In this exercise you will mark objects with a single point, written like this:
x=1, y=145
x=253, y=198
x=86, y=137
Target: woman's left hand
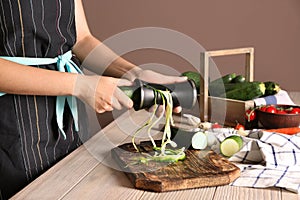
x=154, y=77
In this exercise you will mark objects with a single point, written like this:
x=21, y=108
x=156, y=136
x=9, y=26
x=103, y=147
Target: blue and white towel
x=266, y=159
x=282, y=97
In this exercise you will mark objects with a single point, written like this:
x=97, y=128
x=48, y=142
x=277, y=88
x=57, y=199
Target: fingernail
x=130, y=104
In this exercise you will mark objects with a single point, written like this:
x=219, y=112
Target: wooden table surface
x=89, y=173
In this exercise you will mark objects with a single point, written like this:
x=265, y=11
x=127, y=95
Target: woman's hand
x=102, y=93
x=154, y=77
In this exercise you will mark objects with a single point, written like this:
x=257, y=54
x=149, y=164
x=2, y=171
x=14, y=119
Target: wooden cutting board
x=199, y=169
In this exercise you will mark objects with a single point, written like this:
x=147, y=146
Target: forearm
x=20, y=79
x=122, y=68
x=97, y=57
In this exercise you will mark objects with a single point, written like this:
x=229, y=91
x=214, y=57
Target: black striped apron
x=30, y=141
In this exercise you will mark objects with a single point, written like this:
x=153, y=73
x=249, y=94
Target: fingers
x=116, y=104
x=104, y=109
x=177, y=109
x=102, y=93
x=109, y=97
x=154, y=77
x=180, y=79
x=124, y=82
x=102, y=104
x=160, y=111
x=121, y=99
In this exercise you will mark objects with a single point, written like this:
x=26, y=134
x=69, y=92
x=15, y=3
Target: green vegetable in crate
x=271, y=88
x=238, y=79
x=246, y=91
x=218, y=90
x=219, y=86
x=194, y=76
x=224, y=79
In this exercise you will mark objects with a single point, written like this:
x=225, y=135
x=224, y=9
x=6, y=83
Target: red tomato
x=264, y=108
x=295, y=111
x=281, y=112
x=271, y=109
x=239, y=127
x=216, y=125
x=250, y=115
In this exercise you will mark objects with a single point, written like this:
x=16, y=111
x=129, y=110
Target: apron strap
x=64, y=64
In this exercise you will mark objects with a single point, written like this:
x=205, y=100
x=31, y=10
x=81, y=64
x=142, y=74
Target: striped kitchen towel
x=267, y=160
x=282, y=97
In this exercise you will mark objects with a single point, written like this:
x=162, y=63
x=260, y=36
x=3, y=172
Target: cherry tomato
x=281, y=112
x=239, y=127
x=295, y=111
x=216, y=125
x=250, y=115
x=271, y=109
x=264, y=108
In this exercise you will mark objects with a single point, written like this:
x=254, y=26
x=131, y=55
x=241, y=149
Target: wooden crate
x=222, y=110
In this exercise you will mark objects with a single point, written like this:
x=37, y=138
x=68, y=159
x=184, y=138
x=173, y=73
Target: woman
x=38, y=119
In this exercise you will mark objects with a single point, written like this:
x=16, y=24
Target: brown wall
x=272, y=27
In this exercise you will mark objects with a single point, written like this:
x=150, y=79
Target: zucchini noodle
x=161, y=153
x=166, y=139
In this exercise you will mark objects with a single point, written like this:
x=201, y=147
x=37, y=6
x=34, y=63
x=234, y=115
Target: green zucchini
x=218, y=89
x=199, y=140
x=271, y=88
x=224, y=79
x=246, y=91
x=238, y=79
x=194, y=76
x=231, y=145
x=128, y=90
x=218, y=86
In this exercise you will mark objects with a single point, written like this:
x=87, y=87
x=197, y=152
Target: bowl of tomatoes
x=278, y=116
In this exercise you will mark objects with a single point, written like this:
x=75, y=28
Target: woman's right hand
x=102, y=93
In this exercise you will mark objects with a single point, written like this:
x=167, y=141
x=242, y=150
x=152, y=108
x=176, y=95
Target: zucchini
x=189, y=139
x=182, y=137
x=246, y=91
x=128, y=90
x=271, y=88
x=231, y=145
x=199, y=140
x=239, y=79
x=194, y=76
x=224, y=79
x=218, y=89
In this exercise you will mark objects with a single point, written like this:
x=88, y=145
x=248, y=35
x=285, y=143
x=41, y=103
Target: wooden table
x=89, y=173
